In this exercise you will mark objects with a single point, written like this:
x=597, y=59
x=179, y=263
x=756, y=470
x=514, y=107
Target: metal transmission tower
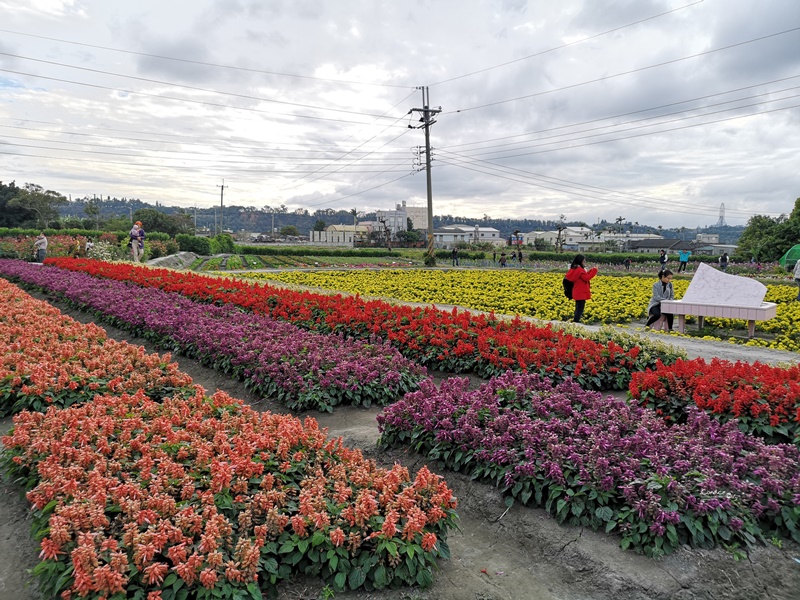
x=221, y=194
x=427, y=120
x=721, y=222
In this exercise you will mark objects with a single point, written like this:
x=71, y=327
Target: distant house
x=651, y=246
x=340, y=235
x=446, y=237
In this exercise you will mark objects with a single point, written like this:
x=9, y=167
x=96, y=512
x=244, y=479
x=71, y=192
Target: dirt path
x=499, y=554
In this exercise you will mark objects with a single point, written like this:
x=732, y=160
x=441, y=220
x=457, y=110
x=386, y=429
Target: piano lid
x=710, y=286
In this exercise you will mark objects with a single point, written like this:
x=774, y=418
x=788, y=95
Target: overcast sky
x=658, y=111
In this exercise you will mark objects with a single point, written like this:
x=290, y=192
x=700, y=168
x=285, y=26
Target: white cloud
x=542, y=112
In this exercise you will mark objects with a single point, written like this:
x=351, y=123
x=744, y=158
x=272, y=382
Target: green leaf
x=170, y=579
x=381, y=580
x=255, y=593
x=356, y=578
x=604, y=513
x=339, y=581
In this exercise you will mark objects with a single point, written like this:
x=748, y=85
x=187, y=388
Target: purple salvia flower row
x=300, y=368
x=601, y=462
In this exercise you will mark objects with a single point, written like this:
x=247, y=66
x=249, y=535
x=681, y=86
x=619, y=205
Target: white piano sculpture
x=713, y=293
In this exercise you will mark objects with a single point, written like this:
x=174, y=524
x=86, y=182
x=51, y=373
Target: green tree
x=409, y=237
x=10, y=214
x=761, y=238
x=320, y=225
x=289, y=230
x=43, y=202
x=91, y=209
x=155, y=220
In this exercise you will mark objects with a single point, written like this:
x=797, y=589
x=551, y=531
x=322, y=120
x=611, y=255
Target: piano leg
x=751, y=329
x=700, y=322
x=682, y=323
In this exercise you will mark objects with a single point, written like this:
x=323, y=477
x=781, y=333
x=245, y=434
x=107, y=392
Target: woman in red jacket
x=581, y=288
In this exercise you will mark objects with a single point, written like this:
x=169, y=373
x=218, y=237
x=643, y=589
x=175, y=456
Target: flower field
x=657, y=482
x=763, y=399
x=455, y=341
x=617, y=299
x=299, y=368
x=47, y=359
x=197, y=497
x=602, y=463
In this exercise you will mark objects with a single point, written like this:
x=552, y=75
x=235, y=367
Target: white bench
x=751, y=314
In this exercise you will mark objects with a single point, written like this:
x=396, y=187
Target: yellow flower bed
x=540, y=295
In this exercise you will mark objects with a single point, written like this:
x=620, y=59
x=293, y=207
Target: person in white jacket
x=662, y=290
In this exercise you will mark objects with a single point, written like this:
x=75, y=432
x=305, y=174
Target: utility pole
x=427, y=120
x=221, y=194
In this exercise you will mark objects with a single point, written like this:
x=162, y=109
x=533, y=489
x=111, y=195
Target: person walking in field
x=683, y=260
x=663, y=257
x=581, y=288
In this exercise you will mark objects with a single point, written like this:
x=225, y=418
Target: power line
x=174, y=167
x=194, y=88
x=630, y=72
x=616, y=200
x=163, y=97
x=562, y=46
x=569, y=183
x=196, y=141
x=627, y=137
x=193, y=156
x=364, y=191
x=635, y=112
x=488, y=150
x=362, y=144
x=206, y=64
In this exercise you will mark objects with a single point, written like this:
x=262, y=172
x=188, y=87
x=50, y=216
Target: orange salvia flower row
x=132, y=492
x=47, y=358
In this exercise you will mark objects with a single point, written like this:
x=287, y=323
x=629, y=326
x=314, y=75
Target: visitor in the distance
x=662, y=290
x=797, y=277
x=683, y=260
x=581, y=288
x=40, y=247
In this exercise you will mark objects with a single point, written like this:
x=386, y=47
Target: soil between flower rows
x=499, y=554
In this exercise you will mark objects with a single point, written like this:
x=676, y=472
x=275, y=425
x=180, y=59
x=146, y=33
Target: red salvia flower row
x=765, y=400
x=456, y=341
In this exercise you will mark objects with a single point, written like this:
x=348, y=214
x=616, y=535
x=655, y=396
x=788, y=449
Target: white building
x=397, y=220
x=340, y=235
x=584, y=239
x=446, y=237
